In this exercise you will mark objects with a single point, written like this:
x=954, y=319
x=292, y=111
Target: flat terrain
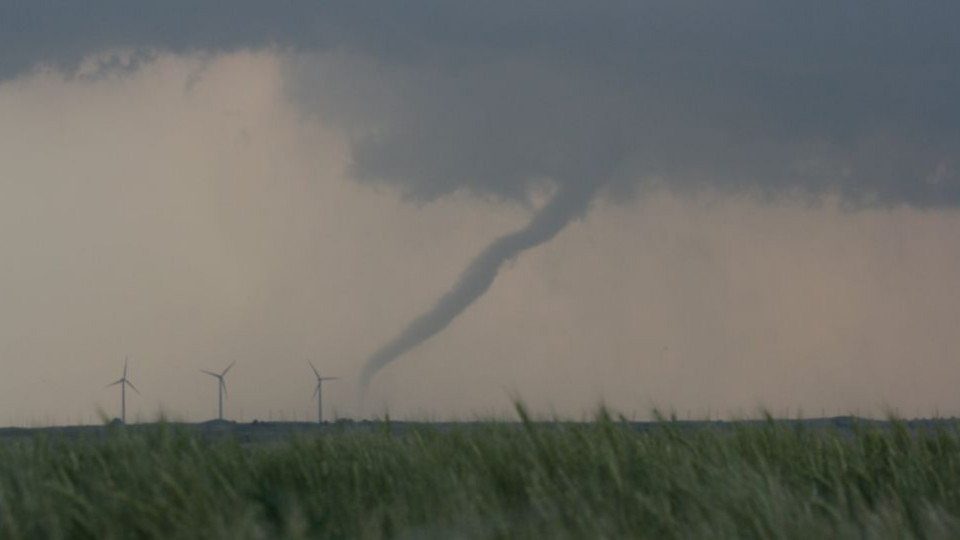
x=834, y=478
x=278, y=432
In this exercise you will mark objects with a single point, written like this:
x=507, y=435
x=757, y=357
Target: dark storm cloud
x=857, y=98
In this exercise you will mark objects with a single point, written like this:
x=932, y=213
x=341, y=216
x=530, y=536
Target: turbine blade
x=114, y=383
x=228, y=368
x=224, y=385
x=316, y=390
x=132, y=386
x=330, y=378
x=125, y=359
x=210, y=373
x=315, y=372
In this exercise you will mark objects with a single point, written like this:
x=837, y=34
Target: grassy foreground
x=529, y=480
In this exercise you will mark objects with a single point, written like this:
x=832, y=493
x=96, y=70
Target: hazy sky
x=761, y=206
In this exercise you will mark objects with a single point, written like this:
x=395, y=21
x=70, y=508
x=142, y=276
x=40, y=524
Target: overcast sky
x=688, y=204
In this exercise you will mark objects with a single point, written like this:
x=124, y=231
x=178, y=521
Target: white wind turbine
x=222, y=386
x=123, y=382
x=318, y=391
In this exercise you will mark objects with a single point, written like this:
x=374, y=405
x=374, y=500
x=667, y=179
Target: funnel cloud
x=565, y=205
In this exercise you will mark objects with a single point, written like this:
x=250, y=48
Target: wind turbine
x=222, y=386
x=318, y=391
x=123, y=382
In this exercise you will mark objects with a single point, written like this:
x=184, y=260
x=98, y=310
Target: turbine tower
x=318, y=391
x=222, y=386
x=123, y=382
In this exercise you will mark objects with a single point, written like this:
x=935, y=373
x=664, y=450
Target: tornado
x=567, y=204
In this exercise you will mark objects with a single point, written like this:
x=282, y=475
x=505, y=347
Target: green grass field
x=605, y=479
